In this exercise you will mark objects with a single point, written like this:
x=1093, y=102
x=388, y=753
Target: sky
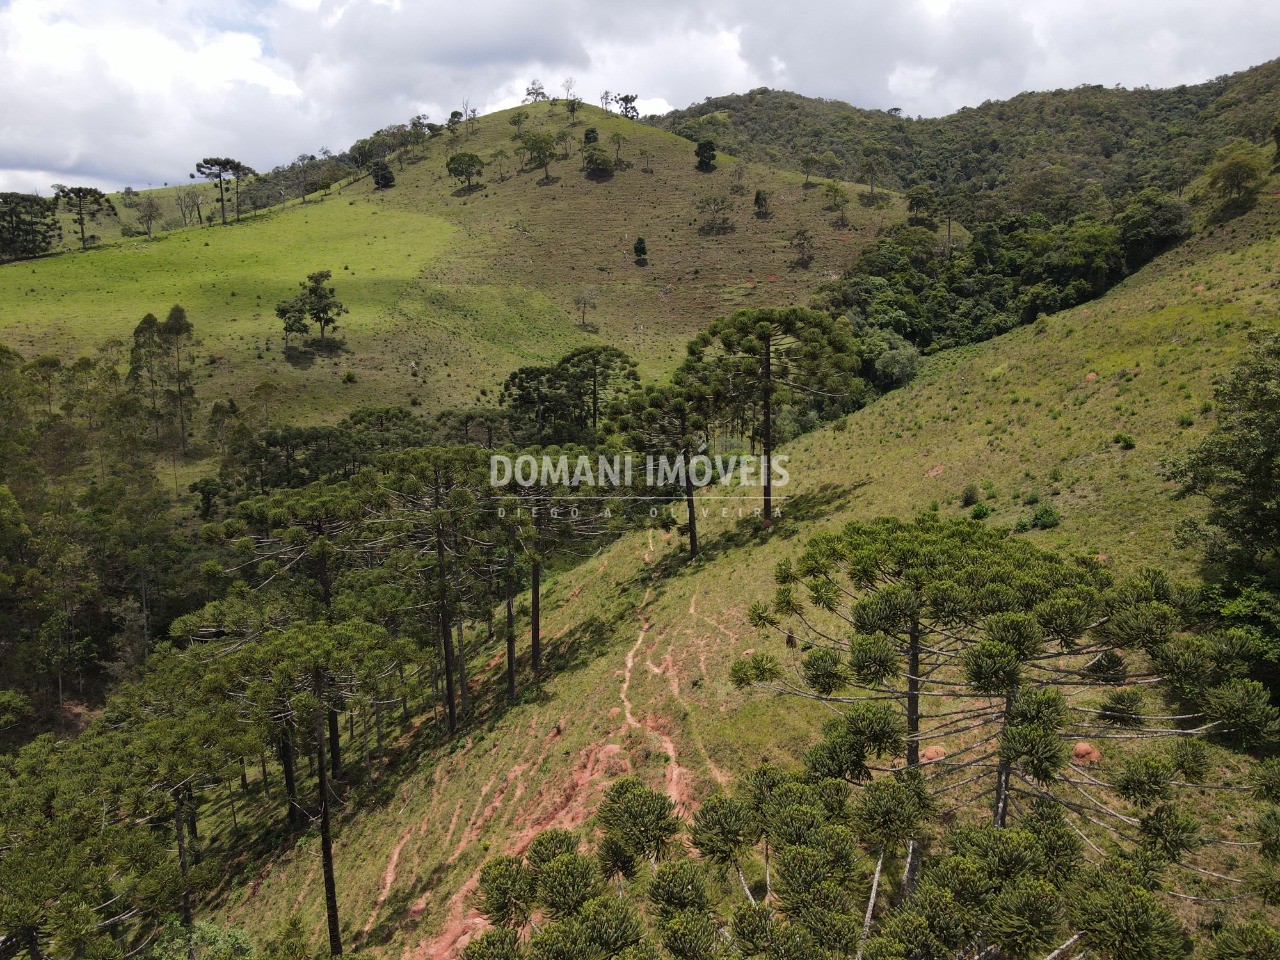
x=132, y=92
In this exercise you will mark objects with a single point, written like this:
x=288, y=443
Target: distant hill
x=1118, y=139
x=466, y=285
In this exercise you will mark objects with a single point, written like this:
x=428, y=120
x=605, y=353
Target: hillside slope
x=467, y=285
x=1114, y=137
x=642, y=643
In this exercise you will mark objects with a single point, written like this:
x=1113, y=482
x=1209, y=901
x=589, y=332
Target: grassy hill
x=1113, y=138
x=642, y=643
x=467, y=285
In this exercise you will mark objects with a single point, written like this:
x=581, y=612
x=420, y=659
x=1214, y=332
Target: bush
x=1124, y=440
x=1045, y=517
x=383, y=178
x=969, y=495
x=980, y=511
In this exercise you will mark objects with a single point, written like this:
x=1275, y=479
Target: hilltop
x=643, y=643
x=449, y=289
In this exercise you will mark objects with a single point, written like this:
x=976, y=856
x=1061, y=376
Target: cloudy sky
x=115, y=92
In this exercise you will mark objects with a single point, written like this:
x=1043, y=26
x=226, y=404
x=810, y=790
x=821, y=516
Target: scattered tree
x=627, y=104
x=218, y=170
x=617, y=139
x=499, y=159
x=584, y=300
x=383, y=176
x=596, y=161
x=541, y=148
x=148, y=212
x=716, y=210
x=293, y=314
x=837, y=202
x=465, y=167
x=808, y=163
x=705, y=151
x=802, y=243
x=85, y=204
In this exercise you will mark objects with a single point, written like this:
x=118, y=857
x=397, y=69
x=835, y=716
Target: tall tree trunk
x=446, y=634
x=179, y=833
x=910, y=871
x=768, y=872
x=462, y=670
x=595, y=402
x=693, y=515
x=244, y=777
x=913, y=694
x=535, y=613
x=326, y=840
x=871, y=905
x=1000, y=807
x=335, y=747
x=287, y=763
x=262, y=762
x=192, y=807
x=511, y=631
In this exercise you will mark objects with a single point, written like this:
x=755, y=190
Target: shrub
x=980, y=511
x=1124, y=440
x=969, y=495
x=1045, y=517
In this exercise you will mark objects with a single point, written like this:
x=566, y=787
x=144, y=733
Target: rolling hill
x=466, y=285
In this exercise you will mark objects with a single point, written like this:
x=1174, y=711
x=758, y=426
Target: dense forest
x=1059, y=152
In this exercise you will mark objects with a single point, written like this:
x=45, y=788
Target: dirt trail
x=693, y=611
x=482, y=817
x=564, y=805
x=677, y=787
x=388, y=879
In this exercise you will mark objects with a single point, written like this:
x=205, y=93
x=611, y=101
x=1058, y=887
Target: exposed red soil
x=565, y=805
x=388, y=879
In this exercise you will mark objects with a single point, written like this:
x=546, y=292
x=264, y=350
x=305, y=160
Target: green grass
x=229, y=280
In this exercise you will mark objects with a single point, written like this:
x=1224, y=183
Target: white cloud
x=134, y=91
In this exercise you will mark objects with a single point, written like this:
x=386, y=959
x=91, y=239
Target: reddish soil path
x=388, y=879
